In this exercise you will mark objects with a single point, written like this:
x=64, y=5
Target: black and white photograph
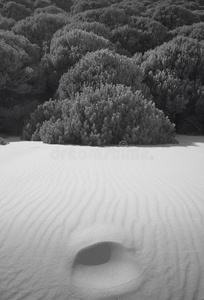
x=101, y=149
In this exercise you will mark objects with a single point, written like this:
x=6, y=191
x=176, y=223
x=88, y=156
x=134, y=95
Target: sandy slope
x=145, y=203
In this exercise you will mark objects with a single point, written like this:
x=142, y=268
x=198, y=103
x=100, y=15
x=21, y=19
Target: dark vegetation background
x=98, y=71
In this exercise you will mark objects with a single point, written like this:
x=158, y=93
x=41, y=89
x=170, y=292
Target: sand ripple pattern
x=50, y=195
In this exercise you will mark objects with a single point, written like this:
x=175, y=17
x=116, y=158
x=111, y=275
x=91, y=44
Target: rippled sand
x=102, y=223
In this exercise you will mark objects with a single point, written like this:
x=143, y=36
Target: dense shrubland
x=140, y=35
x=40, y=27
x=67, y=47
x=94, y=27
x=174, y=73
x=58, y=56
x=195, y=31
x=101, y=116
x=20, y=64
x=172, y=15
x=101, y=66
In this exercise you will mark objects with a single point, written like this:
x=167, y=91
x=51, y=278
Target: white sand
x=146, y=202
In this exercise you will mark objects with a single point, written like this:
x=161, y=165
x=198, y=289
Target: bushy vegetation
x=44, y=112
x=140, y=35
x=16, y=11
x=57, y=49
x=83, y=5
x=174, y=72
x=102, y=66
x=172, y=15
x=2, y=141
x=39, y=28
x=19, y=61
x=195, y=31
x=6, y=23
x=95, y=27
x=50, y=9
x=106, y=115
x=68, y=47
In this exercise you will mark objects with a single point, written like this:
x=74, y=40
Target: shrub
x=110, y=16
x=16, y=11
x=63, y=4
x=20, y=64
x=41, y=3
x=140, y=35
x=102, y=66
x=3, y=141
x=95, y=27
x=60, y=5
x=173, y=16
x=91, y=15
x=51, y=9
x=26, y=3
x=83, y=5
x=68, y=48
x=46, y=111
x=195, y=31
x=108, y=115
x=39, y=28
x=113, y=17
x=6, y=23
x=152, y=33
x=170, y=92
x=130, y=7
x=174, y=72
x=52, y=131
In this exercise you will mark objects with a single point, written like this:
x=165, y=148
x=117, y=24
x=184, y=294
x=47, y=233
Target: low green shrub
x=107, y=115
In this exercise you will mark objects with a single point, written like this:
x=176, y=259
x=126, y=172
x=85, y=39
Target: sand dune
x=102, y=223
